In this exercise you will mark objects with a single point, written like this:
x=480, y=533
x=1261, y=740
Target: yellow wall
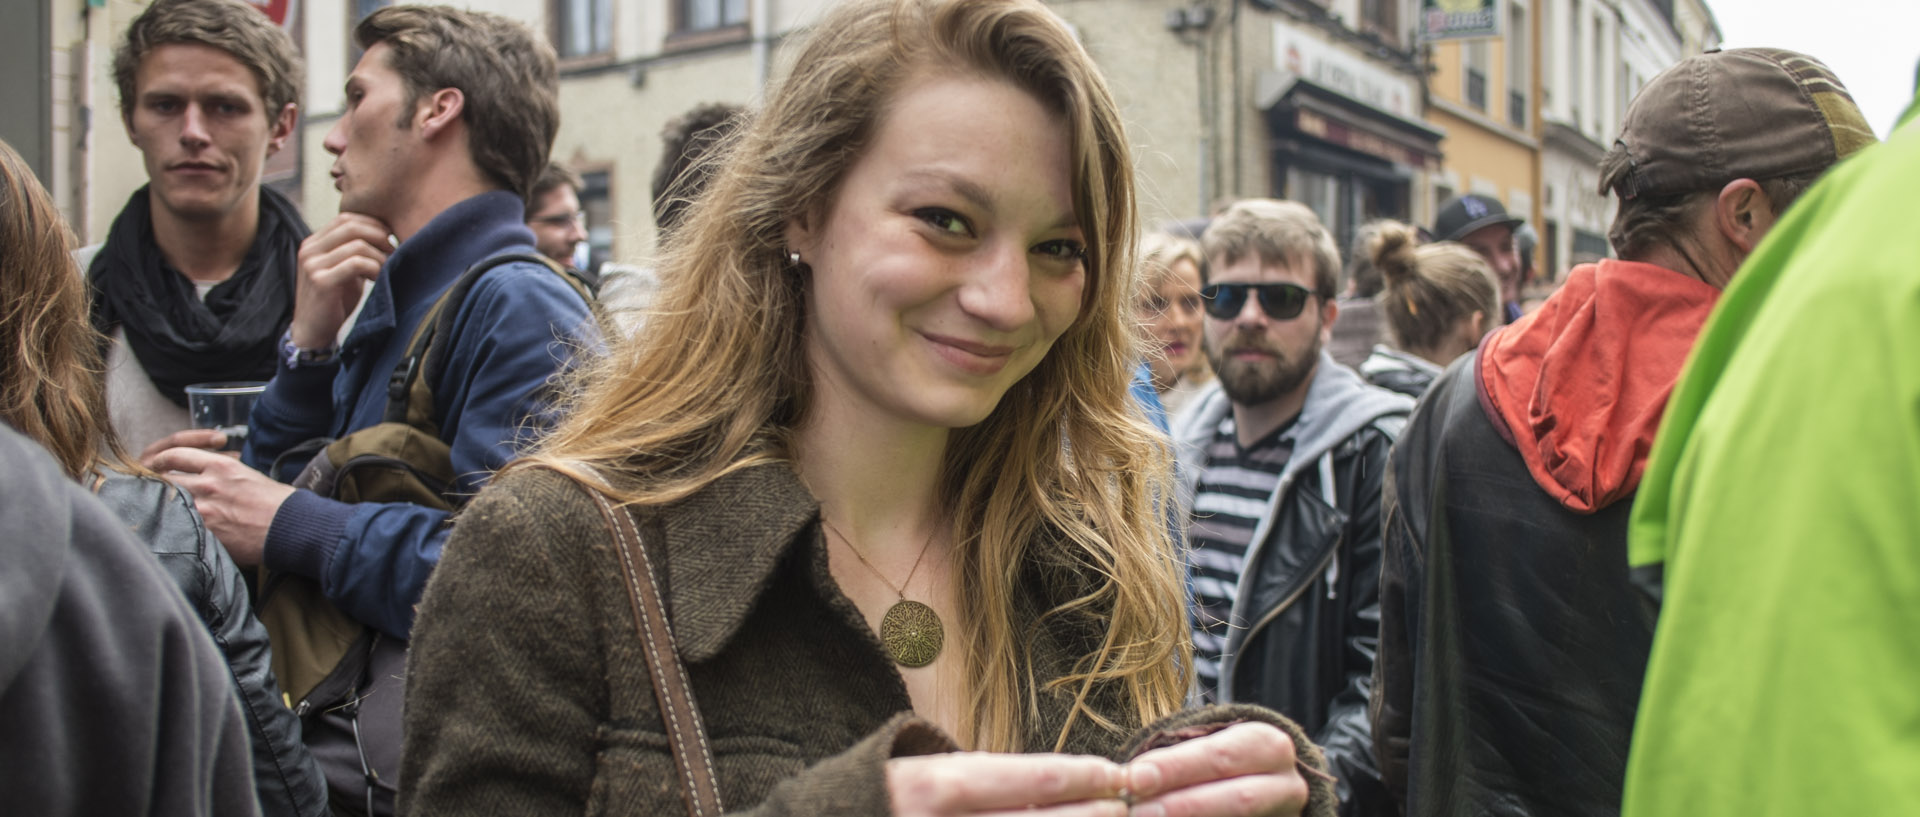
x=1474, y=152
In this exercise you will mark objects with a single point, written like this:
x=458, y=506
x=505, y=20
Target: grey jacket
x=112, y=698
x=285, y=775
x=1309, y=595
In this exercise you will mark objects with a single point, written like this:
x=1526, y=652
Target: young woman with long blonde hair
x=886, y=381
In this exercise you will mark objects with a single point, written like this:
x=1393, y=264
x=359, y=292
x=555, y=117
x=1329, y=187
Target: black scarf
x=179, y=339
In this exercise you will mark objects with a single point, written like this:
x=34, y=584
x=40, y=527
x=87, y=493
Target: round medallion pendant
x=912, y=634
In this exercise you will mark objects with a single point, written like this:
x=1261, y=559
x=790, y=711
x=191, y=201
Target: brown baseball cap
x=1746, y=113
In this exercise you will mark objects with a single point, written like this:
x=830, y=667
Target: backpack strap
x=409, y=389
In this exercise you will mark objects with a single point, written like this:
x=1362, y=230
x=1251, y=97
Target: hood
x=1578, y=387
x=1338, y=403
x=37, y=517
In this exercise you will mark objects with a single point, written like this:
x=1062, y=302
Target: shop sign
x=1352, y=138
x=1303, y=55
x=1459, y=19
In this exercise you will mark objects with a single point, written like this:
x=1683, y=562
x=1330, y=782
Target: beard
x=1253, y=382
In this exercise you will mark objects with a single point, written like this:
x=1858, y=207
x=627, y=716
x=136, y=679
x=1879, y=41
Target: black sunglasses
x=1280, y=301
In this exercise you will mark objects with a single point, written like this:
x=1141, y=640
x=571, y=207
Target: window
x=1548, y=76
x=357, y=11
x=1381, y=18
x=1596, y=75
x=596, y=201
x=701, y=15
x=1319, y=192
x=1474, y=64
x=582, y=28
x=1519, y=68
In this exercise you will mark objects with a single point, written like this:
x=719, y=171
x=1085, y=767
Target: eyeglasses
x=1280, y=301
x=561, y=219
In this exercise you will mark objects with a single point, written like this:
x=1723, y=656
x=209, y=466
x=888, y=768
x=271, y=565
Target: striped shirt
x=1228, y=503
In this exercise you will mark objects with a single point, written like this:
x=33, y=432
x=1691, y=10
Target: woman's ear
x=1477, y=326
x=800, y=237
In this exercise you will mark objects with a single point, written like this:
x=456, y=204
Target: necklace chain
x=898, y=591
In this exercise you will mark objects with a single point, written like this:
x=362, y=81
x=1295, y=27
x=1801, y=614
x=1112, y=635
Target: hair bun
x=1392, y=251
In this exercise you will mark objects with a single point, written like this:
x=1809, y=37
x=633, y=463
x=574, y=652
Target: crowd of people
x=911, y=475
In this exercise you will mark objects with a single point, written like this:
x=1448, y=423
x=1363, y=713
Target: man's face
x=202, y=129
x=1494, y=242
x=557, y=223
x=1260, y=358
x=372, y=150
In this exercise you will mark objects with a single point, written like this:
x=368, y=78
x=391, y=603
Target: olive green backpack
x=322, y=657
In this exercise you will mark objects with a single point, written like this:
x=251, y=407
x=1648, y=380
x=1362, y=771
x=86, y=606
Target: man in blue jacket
x=449, y=119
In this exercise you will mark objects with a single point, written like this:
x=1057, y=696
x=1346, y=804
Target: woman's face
x=1171, y=312
x=950, y=259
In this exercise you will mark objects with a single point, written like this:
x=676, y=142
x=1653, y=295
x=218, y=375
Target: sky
x=1873, y=45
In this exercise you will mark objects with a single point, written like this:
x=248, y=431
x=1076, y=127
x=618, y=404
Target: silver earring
x=793, y=258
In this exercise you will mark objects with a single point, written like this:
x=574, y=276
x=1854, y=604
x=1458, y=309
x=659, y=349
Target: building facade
x=1334, y=103
x=1482, y=92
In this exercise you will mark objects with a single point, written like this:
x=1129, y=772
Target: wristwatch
x=296, y=357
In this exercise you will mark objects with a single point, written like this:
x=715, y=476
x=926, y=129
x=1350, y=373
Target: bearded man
x=1281, y=464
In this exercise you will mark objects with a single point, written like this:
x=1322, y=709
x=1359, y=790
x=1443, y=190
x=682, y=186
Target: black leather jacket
x=1512, y=643
x=285, y=775
x=1311, y=599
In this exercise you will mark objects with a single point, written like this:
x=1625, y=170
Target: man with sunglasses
x=1513, y=642
x=1281, y=463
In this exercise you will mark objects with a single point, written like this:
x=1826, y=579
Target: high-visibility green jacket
x=1782, y=507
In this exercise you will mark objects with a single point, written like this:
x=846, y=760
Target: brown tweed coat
x=527, y=692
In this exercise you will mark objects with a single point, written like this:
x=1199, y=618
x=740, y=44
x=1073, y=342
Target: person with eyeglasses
x=1280, y=470
x=555, y=217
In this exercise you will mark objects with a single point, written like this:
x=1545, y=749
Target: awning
x=1295, y=106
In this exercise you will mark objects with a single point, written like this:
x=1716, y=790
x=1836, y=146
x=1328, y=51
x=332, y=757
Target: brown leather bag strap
x=699, y=784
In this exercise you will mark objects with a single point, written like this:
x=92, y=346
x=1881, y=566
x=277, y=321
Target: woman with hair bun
x=1440, y=300
x=879, y=453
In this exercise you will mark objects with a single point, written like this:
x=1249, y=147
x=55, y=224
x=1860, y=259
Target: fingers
x=202, y=438
x=1257, y=795
x=975, y=782
x=335, y=263
x=1241, y=749
x=187, y=461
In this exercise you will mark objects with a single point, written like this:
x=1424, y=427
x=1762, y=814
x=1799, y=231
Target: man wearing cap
x=1512, y=642
x=1481, y=223
x=1783, y=511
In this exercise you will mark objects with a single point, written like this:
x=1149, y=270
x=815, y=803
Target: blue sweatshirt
x=517, y=327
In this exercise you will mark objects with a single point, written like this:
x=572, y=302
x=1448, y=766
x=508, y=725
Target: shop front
x=1343, y=133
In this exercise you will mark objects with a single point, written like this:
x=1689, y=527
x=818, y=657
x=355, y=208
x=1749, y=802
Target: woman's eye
x=1063, y=249
x=945, y=221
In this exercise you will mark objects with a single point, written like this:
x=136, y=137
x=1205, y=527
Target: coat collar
x=723, y=544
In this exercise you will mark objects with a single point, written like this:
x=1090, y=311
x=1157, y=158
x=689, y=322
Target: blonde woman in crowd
x=1440, y=300
x=886, y=381
x=1168, y=306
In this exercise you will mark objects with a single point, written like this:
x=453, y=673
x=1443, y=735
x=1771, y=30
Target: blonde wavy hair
x=52, y=381
x=1065, y=470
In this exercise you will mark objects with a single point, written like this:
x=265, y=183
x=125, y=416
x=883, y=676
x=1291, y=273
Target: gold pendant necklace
x=910, y=631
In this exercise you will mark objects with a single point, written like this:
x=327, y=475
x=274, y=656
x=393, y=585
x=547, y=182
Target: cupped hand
x=336, y=262
x=981, y=783
x=1244, y=770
